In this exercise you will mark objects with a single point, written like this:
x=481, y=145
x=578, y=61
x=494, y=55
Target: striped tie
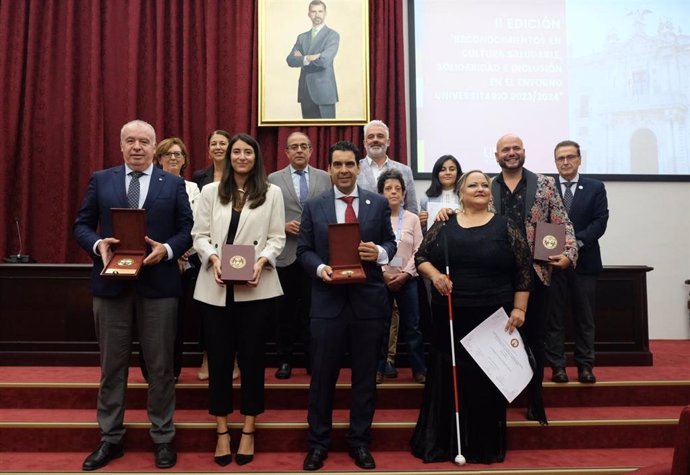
x=568, y=195
x=133, y=192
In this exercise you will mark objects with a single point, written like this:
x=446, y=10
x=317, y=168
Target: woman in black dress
x=489, y=262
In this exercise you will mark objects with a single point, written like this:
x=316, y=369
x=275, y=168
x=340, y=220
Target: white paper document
x=499, y=354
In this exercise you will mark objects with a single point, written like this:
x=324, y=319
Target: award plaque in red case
x=343, y=241
x=129, y=226
x=549, y=240
x=237, y=263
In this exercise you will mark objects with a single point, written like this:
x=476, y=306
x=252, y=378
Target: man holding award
x=349, y=300
x=529, y=199
x=135, y=273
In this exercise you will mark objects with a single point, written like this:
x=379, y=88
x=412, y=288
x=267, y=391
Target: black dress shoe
x=165, y=454
x=284, y=371
x=102, y=456
x=559, y=375
x=244, y=459
x=585, y=375
x=314, y=459
x=363, y=458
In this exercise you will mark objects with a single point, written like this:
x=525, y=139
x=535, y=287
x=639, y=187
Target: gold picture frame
x=286, y=24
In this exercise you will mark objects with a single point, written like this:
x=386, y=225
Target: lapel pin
x=368, y=202
x=579, y=187
x=160, y=178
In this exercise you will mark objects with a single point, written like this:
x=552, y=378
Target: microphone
x=19, y=258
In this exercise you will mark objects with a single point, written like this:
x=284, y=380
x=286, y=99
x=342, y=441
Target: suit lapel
x=364, y=207
x=120, y=186
x=155, y=186
x=328, y=206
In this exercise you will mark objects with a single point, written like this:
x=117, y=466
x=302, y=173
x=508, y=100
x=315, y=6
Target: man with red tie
x=345, y=317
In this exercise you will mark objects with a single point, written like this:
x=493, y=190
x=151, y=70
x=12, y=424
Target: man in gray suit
x=376, y=142
x=314, y=52
x=298, y=181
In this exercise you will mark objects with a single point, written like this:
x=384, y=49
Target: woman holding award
x=444, y=178
x=490, y=268
x=241, y=209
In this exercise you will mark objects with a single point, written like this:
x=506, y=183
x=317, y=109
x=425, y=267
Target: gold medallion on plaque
x=237, y=262
x=550, y=241
x=125, y=262
x=347, y=273
x=514, y=342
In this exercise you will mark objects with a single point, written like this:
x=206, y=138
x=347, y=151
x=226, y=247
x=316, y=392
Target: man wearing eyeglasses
x=587, y=206
x=298, y=181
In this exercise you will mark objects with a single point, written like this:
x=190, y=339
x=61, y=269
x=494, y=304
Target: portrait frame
x=281, y=22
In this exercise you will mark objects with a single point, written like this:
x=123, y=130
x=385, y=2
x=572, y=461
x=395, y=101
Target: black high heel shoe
x=243, y=459
x=223, y=460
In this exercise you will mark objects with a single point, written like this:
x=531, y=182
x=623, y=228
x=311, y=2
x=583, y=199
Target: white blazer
x=262, y=227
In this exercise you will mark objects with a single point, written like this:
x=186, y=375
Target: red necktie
x=350, y=216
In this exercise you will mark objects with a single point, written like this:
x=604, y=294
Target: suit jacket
x=368, y=299
x=203, y=177
x=263, y=227
x=366, y=181
x=168, y=220
x=589, y=213
x=317, y=80
x=319, y=181
x=542, y=203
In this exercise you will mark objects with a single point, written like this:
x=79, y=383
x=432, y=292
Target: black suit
x=589, y=214
x=344, y=317
x=203, y=177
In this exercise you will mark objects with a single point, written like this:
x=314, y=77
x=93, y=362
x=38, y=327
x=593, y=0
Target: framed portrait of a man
x=313, y=62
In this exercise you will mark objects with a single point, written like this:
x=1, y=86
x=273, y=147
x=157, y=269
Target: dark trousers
x=578, y=290
x=292, y=312
x=533, y=332
x=238, y=328
x=156, y=324
x=330, y=339
x=407, y=299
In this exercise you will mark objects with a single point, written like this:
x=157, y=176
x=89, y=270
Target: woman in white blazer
x=243, y=208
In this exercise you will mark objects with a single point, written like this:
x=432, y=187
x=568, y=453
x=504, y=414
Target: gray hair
x=137, y=122
x=380, y=123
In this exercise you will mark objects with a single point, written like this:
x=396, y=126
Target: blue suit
x=344, y=317
x=168, y=220
x=150, y=301
x=589, y=214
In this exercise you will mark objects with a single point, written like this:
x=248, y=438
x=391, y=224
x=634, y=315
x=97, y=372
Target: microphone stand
x=19, y=258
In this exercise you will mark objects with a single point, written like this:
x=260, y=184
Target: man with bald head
x=152, y=297
x=528, y=198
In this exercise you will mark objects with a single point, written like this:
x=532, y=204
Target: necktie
x=133, y=192
x=568, y=195
x=313, y=33
x=303, y=187
x=350, y=216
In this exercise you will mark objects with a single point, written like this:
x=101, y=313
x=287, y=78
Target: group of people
x=475, y=253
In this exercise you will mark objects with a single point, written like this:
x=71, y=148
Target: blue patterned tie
x=133, y=192
x=303, y=187
x=568, y=195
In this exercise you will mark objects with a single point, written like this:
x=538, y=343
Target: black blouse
x=488, y=263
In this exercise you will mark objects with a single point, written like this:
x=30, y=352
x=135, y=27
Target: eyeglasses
x=296, y=146
x=172, y=154
x=570, y=158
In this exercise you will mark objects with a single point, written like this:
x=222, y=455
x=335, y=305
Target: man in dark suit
x=587, y=206
x=152, y=296
x=314, y=52
x=345, y=317
x=299, y=181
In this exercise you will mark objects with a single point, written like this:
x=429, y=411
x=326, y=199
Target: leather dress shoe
x=419, y=377
x=585, y=375
x=362, y=458
x=314, y=459
x=102, y=456
x=379, y=377
x=165, y=454
x=559, y=375
x=284, y=371
x=389, y=370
